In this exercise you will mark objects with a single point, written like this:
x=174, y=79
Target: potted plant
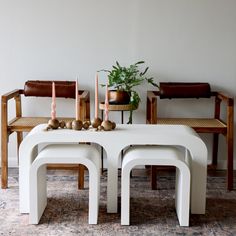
x=124, y=80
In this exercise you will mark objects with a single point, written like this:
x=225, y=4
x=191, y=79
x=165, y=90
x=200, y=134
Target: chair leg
x=102, y=161
x=81, y=177
x=19, y=140
x=215, y=149
x=153, y=177
x=4, y=160
x=230, y=164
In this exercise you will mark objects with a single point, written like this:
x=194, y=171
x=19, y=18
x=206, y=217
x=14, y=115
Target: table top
x=120, y=128
x=117, y=107
x=122, y=136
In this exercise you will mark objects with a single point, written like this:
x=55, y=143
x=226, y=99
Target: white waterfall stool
x=64, y=154
x=157, y=155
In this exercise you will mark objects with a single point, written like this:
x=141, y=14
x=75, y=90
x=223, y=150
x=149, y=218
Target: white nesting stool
x=157, y=155
x=64, y=154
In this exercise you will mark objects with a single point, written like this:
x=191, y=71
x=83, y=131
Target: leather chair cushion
x=184, y=90
x=38, y=88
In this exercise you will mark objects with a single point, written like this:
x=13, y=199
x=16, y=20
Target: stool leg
x=38, y=193
x=125, y=196
x=94, y=194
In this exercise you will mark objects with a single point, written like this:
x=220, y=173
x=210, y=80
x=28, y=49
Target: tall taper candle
x=106, y=104
x=53, y=104
x=96, y=96
x=77, y=101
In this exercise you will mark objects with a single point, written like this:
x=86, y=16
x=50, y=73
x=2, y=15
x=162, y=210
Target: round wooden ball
x=48, y=128
x=113, y=125
x=77, y=124
x=86, y=124
x=96, y=122
x=62, y=124
x=69, y=125
x=88, y=121
x=100, y=128
x=107, y=125
x=54, y=124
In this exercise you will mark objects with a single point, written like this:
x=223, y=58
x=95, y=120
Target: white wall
x=180, y=40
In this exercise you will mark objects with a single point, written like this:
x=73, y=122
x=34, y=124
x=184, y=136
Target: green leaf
x=117, y=63
x=145, y=71
x=139, y=62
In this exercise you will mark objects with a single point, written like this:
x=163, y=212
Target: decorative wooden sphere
x=54, y=124
x=62, y=124
x=86, y=124
x=113, y=125
x=69, y=125
x=100, y=128
x=96, y=122
x=48, y=128
x=107, y=125
x=77, y=124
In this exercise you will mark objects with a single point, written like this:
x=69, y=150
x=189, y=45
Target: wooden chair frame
x=21, y=124
x=213, y=125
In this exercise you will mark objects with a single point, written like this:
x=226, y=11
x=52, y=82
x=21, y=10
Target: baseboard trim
x=12, y=162
x=222, y=165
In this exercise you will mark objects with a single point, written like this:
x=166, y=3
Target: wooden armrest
x=151, y=113
x=12, y=94
x=224, y=97
x=85, y=95
x=152, y=95
x=4, y=106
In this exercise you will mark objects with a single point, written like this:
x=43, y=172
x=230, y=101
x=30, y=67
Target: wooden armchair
x=20, y=124
x=214, y=125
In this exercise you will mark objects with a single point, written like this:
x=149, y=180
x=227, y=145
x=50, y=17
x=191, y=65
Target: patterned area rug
x=152, y=212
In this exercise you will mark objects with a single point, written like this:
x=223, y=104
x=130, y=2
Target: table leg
x=112, y=181
x=198, y=180
x=26, y=157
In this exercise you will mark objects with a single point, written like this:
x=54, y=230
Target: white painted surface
x=58, y=39
x=163, y=156
x=113, y=143
x=86, y=155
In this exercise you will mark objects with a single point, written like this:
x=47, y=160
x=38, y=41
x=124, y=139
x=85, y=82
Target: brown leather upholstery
x=184, y=90
x=37, y=88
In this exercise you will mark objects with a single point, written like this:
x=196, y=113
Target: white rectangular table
x=113, y=143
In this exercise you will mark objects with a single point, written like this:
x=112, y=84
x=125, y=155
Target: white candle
x=53, y=104
x=96, y=96
x=77, y=101
x=106, y=104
